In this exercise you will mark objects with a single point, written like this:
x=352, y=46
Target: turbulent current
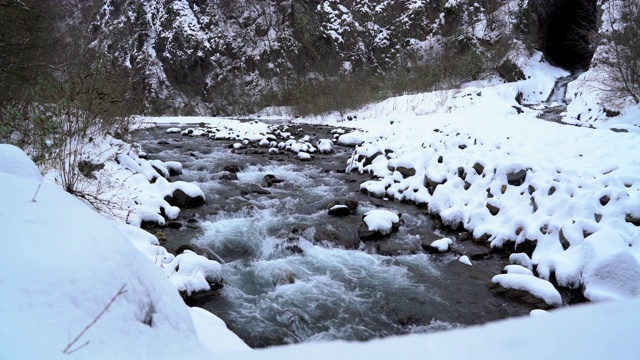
x=284, y=282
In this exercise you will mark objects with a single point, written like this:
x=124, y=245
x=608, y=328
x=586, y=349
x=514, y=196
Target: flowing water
x=284, y=282
x=556, y=103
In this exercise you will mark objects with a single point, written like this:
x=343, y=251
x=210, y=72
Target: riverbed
x=292, y=273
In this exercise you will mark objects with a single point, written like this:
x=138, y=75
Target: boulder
x=633, y=219
x=406, y=171
x=516, y=177
x=338, y=210
x=438, y=246
x=271, y=179
x=337, y=235
x=479, y=168
x=254, y=189
x=87, y=168
x=378, y=224
x=494, y=210
x=183, y=200
x=232, y=168
x=342, y=207
x=228, y=176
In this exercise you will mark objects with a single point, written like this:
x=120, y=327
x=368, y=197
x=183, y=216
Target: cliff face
x=210, y=52
x=217, y=57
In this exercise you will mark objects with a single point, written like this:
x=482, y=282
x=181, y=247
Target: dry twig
x=67, y=350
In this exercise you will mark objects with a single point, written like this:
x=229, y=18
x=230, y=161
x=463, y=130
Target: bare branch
x=68, y=350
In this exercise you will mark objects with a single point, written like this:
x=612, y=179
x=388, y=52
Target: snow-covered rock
x=325, y=146
x=465, y=260
x=539, y=288
x=381, y=221
x=351, y=139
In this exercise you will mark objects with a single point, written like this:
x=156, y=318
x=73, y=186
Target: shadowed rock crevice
x=565, y=30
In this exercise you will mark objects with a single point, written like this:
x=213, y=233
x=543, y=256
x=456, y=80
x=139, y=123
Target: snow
x=537, y=287
x=465, y=260
x=506, y=174
x=51, y=296
x=602, y=263
x=442, y=244
x=351, y=139
x=517, y=269
x=213, y=332
x=15, y=161
x=582, y=332
x=380, y=220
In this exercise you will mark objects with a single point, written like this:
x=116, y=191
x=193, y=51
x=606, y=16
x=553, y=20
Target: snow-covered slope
x=67, y=269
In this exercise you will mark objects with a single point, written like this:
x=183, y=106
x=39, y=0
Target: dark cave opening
x=567, y=26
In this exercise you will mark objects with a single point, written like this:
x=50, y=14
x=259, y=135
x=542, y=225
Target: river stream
x=292, y=273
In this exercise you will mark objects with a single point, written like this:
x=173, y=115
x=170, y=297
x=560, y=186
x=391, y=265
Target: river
x=292, y=273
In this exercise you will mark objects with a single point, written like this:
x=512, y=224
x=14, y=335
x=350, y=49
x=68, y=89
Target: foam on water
x=323, y=294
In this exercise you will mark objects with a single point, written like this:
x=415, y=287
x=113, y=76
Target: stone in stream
x=337, y=235
x=254, y=189
x=389, y=248
x=270, y=179
x=182, y=199
x=438, y=246
x=233, y=168
x=342, y=207
x=228, y=176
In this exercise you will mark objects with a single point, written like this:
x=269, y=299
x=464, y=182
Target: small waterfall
x=556, y=103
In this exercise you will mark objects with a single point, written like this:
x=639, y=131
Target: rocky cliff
x=221, y=57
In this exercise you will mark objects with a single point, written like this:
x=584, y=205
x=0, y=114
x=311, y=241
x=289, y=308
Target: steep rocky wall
x=217, y=57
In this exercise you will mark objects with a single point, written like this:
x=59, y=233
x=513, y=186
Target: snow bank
x=213, y=333
x=15, y=161
x=602, y=331
x=62, y=268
